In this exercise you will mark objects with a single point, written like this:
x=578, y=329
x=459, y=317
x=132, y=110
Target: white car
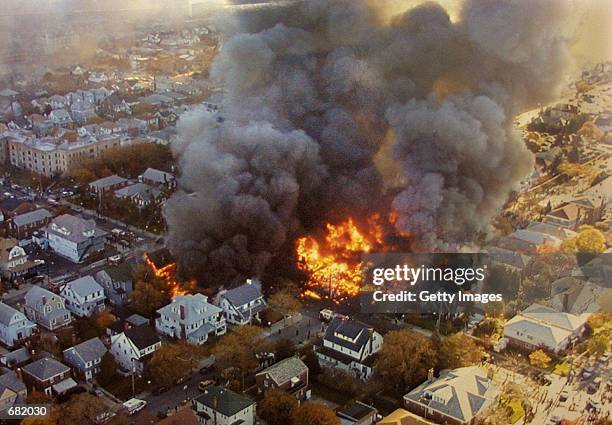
x=134, y=405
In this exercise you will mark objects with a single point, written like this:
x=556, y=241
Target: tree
x=312, y=362
x=459, y=350
x=405, y=359
x=81, y=409
x=598, y=344
x=103, y=320
x=277, y=407
x=314, y=414
x=284, y=348
x=539, y=359
x=37, y=397
x=589, y=240
x=108, y=370
x=146, y=299
x=179, y=355
x=285, y=302
x=239, y=349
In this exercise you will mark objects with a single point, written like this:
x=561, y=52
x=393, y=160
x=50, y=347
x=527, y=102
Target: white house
x=191, y=318
x=14, y=325
x=220, y=406
x=60, y=117
x=539, y=326
x=134, y=346
x=242, y=304
x=75, y=238
x=46, y=308
x=84, y=296
x=351, y=346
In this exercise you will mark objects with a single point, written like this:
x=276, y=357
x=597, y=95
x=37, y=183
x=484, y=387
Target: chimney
x=182, y=310
x=430, y=374
x=44, y=299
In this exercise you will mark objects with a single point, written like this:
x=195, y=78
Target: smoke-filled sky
x=320, y=94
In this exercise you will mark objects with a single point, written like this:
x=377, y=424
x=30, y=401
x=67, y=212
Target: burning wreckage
x=349, y=125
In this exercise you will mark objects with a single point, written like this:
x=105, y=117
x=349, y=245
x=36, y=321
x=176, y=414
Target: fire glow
x=166, y=274
x=334, y=265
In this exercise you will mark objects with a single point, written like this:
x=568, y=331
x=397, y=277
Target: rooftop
x=45, y=368
x=224, y=401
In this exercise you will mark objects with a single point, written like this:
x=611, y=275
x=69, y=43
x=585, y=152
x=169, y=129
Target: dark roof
x=45, y=368
x=119, y=273
x=142, y=336
x=356, y=411
x=224, y=401
x=243, y=294
x=357, y=332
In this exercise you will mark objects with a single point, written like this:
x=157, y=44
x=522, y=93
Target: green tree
x=108, y=370
x=277, y=407
x=405, y=359
x=285, y=302
x=284, y=348
x=459, y=350
x=598, y=344
x=314, y=414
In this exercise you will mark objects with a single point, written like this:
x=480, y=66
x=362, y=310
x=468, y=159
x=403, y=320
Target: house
x=60, y=117
x=139, y=194
x=122, y=325
x=599, y=270
x=528, y=242
x=46, y=308
x=155, y=177
x=117, y=283
x=191, y=318
x=114, y=105
x=23, y=225
x=49, y=376
x=576, y=213
x=357, y=413
x=576, y=296
x=85, y=358
x=349, y=345
x=14, y=261
x=12, y=390
x=16, y=358
x=457, y=397
x=75, y=238
x=84, y=296
x=133, y=347
x=403, y=417
x=82, y=110
x=14, y=326
x=58, y=102
x=107, y=184
x=220, y=406
x=539, y=326
x=242, y=304
x=289, y=375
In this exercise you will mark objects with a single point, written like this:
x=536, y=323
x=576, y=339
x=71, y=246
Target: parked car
x=134, y=405
x=205, y=384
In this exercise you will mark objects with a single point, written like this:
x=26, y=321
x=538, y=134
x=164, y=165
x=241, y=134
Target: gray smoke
x=312, y=92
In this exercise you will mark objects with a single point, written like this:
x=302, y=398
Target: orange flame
x=166, y=274
x=334, y=267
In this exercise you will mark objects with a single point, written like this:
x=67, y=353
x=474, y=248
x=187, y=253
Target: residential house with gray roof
x=23, y=225
x=455, y=398
x=117, y=283
x=191, y=318
x=156, y=177
x=46, y=308
x=14, y=326
x=351, y=346
x=134, y=347
x=221, y=406
x=74, y=237
x=48, y=376
x=85, y=358
x=540, y=326
x=16, y=358
x=84, y=296
x=289, y=375
x=242, y=304
x=107, y=184
x=140, y=194
x=12, y=390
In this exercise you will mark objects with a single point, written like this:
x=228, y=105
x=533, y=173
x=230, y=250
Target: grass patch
x=562, y=369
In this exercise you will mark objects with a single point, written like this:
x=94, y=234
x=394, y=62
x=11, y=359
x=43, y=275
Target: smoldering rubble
x=310, y=97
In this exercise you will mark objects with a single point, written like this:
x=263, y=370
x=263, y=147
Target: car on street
x=159, y=390
x=134, y=405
